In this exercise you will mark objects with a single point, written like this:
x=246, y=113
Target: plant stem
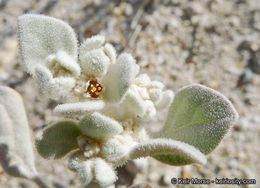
x=40, y=182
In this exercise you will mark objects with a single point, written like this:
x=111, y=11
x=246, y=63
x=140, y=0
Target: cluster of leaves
x=110, y=129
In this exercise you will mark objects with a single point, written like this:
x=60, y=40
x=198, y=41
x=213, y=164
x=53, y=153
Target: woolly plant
x=16, y=150
x=106, y=103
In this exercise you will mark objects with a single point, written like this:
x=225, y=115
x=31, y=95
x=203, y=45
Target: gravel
x=178, y=42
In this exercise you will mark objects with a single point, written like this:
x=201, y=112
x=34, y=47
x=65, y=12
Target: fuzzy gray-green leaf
x=41, y=36
x=167, y=147
x=58, y=140
x=119, y=78
x=16, y=151
x=97, y=125
x=104, y=173
x=199, y=116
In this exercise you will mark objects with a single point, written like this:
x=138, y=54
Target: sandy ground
x=178, y=42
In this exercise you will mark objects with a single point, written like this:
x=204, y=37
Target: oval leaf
x=79, y=108
x=94, y=63
x=167, y=147
x=58, y=140
x=199, y=116
x=16, y=151
x=91, y=43
x=104, y=173
x=119, y=78
x=133, y=105
x=97, y=125
x=41, y=36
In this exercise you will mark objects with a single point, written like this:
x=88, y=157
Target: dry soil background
x=178, y=42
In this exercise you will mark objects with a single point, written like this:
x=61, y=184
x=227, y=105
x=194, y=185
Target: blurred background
x=178, y=42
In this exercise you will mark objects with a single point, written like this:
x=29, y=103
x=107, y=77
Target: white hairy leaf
x=165, y=100
x=143, y=80
x=120, y=76
x=110, y=52
x=41, y=36
x=114, y=151
x=9, y=161
x=66, y=62
x=83, y=167
x=58, y=140
x=167, y=147
x=60, y=87
x=6, y=131
x=96, y=125
x=150, y=110
x=94, y=63
x=199, y=116
x=43, y=77
x=56, y=88
x=85, y=172
x=155, y=94
x=91, y=43
x=79, y=108
x=16, y=150
x=104, y=173
x=94, y=59
x=156, y=84
x=133, y=104
x=75, y=159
